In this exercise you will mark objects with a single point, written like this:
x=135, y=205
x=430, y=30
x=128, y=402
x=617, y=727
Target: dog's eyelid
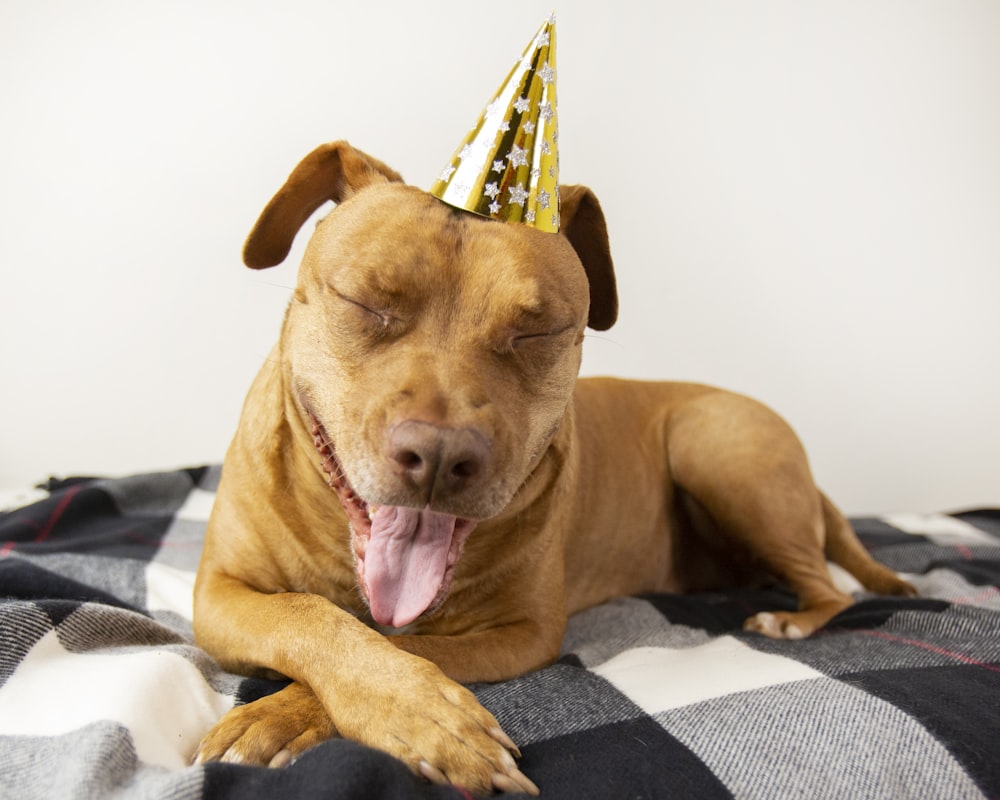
x=380, y=320
x=371, y=297
x=364, y=304
x=531, y=336
x=552, y=330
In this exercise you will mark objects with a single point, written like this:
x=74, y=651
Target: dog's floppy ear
x=333, y=171
x=582, y=222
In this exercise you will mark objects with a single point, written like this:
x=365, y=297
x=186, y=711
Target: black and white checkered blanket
x=103, y=693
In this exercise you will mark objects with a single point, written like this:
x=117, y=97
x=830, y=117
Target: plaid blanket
x=104, y=694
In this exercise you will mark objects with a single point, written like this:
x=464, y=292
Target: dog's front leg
x=490, y=655
x=371, y=691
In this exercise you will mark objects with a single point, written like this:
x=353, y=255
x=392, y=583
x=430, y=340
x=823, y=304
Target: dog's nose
x=435, y=459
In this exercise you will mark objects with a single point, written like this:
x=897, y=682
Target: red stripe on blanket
x=59, y=510
x=932, y=648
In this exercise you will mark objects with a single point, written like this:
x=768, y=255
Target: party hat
x=508, y=166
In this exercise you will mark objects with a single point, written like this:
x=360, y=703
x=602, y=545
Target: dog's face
x=433, y=353
x=409, y=311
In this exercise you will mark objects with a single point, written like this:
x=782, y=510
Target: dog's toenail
x=281, y=759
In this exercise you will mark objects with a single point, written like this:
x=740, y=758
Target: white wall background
x=803, y=198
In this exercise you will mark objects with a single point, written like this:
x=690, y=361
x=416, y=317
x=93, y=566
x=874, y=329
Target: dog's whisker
x=276, y=285
x=605, y=339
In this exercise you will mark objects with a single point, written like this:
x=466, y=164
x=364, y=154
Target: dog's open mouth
x=405, y=557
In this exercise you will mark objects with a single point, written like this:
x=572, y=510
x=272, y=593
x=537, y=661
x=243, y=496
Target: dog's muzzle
x=405, y=557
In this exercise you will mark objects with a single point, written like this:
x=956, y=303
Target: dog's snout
x=435, y=459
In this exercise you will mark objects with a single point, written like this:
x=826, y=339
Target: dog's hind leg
x=844, y=549
x=746, y=469
x=797, y=560
x=817, y=607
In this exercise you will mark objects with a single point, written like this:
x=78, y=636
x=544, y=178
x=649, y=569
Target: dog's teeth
x=371, y=511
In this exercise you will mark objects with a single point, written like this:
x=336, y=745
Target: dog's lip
x=355, y=506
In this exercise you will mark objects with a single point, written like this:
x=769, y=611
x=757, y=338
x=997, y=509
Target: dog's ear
x=333, y=171
x=582, y=222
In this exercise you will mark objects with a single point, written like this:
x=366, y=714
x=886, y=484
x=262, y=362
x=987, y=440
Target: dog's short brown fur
x=428, y=360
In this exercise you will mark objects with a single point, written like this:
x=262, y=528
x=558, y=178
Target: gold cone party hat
x=508, y=166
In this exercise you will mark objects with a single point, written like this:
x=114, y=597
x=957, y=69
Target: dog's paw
x=271, y=731
x=776, y=625
x=438, y=728
x=891, y=585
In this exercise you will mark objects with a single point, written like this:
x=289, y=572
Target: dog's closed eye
x=380, y=318
x=529, y=338
x=528, y=342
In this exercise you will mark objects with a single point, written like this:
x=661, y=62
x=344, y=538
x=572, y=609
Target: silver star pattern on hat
x=507, y=168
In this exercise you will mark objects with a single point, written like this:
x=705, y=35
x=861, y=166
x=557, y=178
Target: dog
x=421, y=490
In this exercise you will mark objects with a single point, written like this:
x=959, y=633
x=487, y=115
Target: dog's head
x=432, y=352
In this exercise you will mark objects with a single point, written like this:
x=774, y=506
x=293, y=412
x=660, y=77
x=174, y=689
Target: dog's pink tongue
x=405, y=562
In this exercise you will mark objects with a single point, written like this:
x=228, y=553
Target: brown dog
x=427, y=372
